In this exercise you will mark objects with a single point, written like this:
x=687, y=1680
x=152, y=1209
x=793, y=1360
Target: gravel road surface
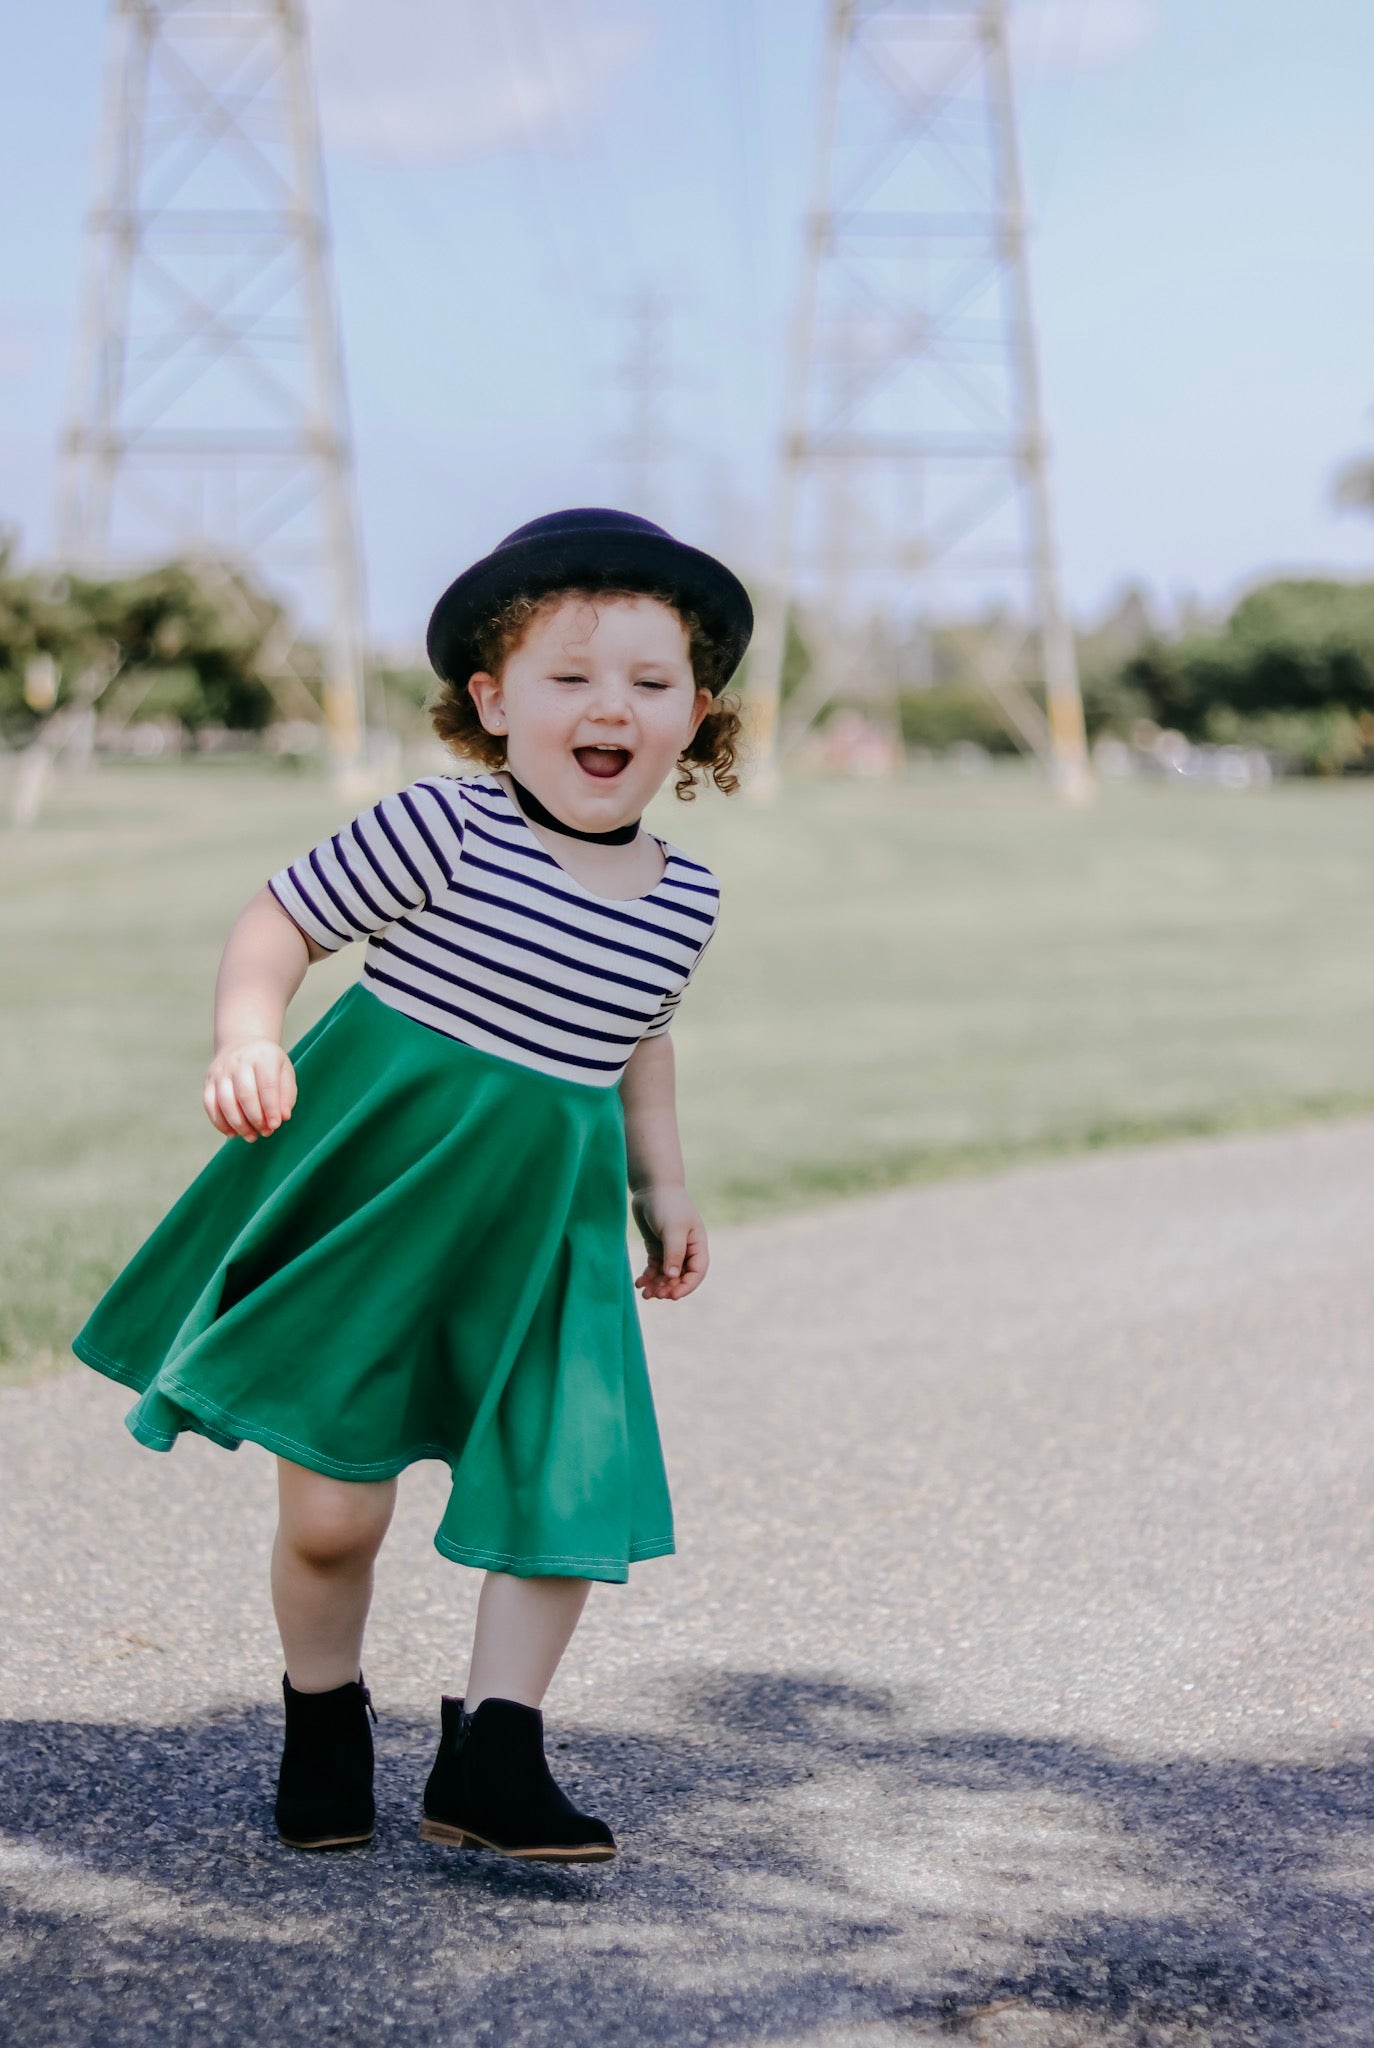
x=1011, y=1684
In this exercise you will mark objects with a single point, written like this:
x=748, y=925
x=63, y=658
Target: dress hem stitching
x=334, y=1468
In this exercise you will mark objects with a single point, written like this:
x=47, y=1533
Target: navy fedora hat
x=598, y=547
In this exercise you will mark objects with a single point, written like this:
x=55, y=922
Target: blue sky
x=503, y=174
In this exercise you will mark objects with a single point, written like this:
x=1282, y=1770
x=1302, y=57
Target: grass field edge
x=828, y=1184
x=836, y=1182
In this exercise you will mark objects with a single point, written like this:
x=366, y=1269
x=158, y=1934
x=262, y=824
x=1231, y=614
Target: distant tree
x=1352, y=487
x=190, y=641
x=1293, y=650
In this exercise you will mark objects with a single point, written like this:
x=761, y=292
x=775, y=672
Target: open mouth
x=603, y=764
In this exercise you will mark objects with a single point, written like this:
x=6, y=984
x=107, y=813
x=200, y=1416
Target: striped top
x=473, y=928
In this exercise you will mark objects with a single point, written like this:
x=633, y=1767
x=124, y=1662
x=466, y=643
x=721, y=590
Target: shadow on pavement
x=810, y=1861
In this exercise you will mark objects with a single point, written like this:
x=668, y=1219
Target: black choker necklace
x=619, y=835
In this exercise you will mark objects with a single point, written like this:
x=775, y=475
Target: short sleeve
x=397, y=855
x=663, y=1021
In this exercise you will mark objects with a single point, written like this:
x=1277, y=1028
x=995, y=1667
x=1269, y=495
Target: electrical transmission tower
x=912, y=468
x=644, y=378
x=209, y=416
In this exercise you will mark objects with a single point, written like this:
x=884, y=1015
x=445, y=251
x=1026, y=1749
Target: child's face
x=595, y=674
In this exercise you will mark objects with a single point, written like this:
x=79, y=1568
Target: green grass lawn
x=907, y=981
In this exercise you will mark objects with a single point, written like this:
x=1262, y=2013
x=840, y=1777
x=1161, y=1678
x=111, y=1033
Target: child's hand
x=675, y=1237
x=250, y=1088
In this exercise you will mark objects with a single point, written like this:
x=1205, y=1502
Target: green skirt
x=428, y=1259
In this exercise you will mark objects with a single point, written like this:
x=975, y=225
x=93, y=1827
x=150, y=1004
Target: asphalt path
x=1011, y=1683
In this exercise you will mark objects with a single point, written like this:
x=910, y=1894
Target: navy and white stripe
x=473, y=928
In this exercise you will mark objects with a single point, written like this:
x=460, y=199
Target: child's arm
x=667, y=1218
x=250, y=1087
x=392, y=857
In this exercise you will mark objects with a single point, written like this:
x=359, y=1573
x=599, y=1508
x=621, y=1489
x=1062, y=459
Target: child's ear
x=486, y=694
x=703, y=704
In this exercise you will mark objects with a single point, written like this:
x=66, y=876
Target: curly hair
x=709, y=755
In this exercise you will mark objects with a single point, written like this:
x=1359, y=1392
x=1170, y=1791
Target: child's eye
x=648, y=685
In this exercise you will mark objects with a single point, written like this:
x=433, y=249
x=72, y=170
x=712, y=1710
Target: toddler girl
x=427, y=1256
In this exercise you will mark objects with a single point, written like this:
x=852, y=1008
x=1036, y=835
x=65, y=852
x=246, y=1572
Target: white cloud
x=1061, y=35
x=428, y=81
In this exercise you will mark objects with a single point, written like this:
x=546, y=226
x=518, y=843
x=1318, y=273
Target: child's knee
x=331, y=1524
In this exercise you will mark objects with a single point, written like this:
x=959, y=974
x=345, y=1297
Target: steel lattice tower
x=911, y=475
x=645, y=446
x=209, y=415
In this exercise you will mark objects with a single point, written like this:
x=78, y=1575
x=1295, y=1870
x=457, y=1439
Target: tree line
x=1289, y=669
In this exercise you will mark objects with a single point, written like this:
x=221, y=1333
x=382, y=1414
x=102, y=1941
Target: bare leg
x=328, y=1534
x=523, y=1628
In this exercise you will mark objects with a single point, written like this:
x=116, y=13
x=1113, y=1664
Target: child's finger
x=250, y=1102
x=692, y=1257
x=268, y=1096
x=694, y=1266
x=674, y=1253
x=226, y=1102
x=653, y=1284
x=212, y=1110
x=229, y=1107
x=284, y=1080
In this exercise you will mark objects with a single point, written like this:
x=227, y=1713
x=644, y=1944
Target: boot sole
x=463, y=1838
x=326, y=1841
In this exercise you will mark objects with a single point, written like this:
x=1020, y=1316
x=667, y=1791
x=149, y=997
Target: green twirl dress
x=430, y=1258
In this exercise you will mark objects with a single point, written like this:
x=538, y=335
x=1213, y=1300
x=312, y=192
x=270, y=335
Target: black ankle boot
x=491, y=1788
x=324, y=1788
